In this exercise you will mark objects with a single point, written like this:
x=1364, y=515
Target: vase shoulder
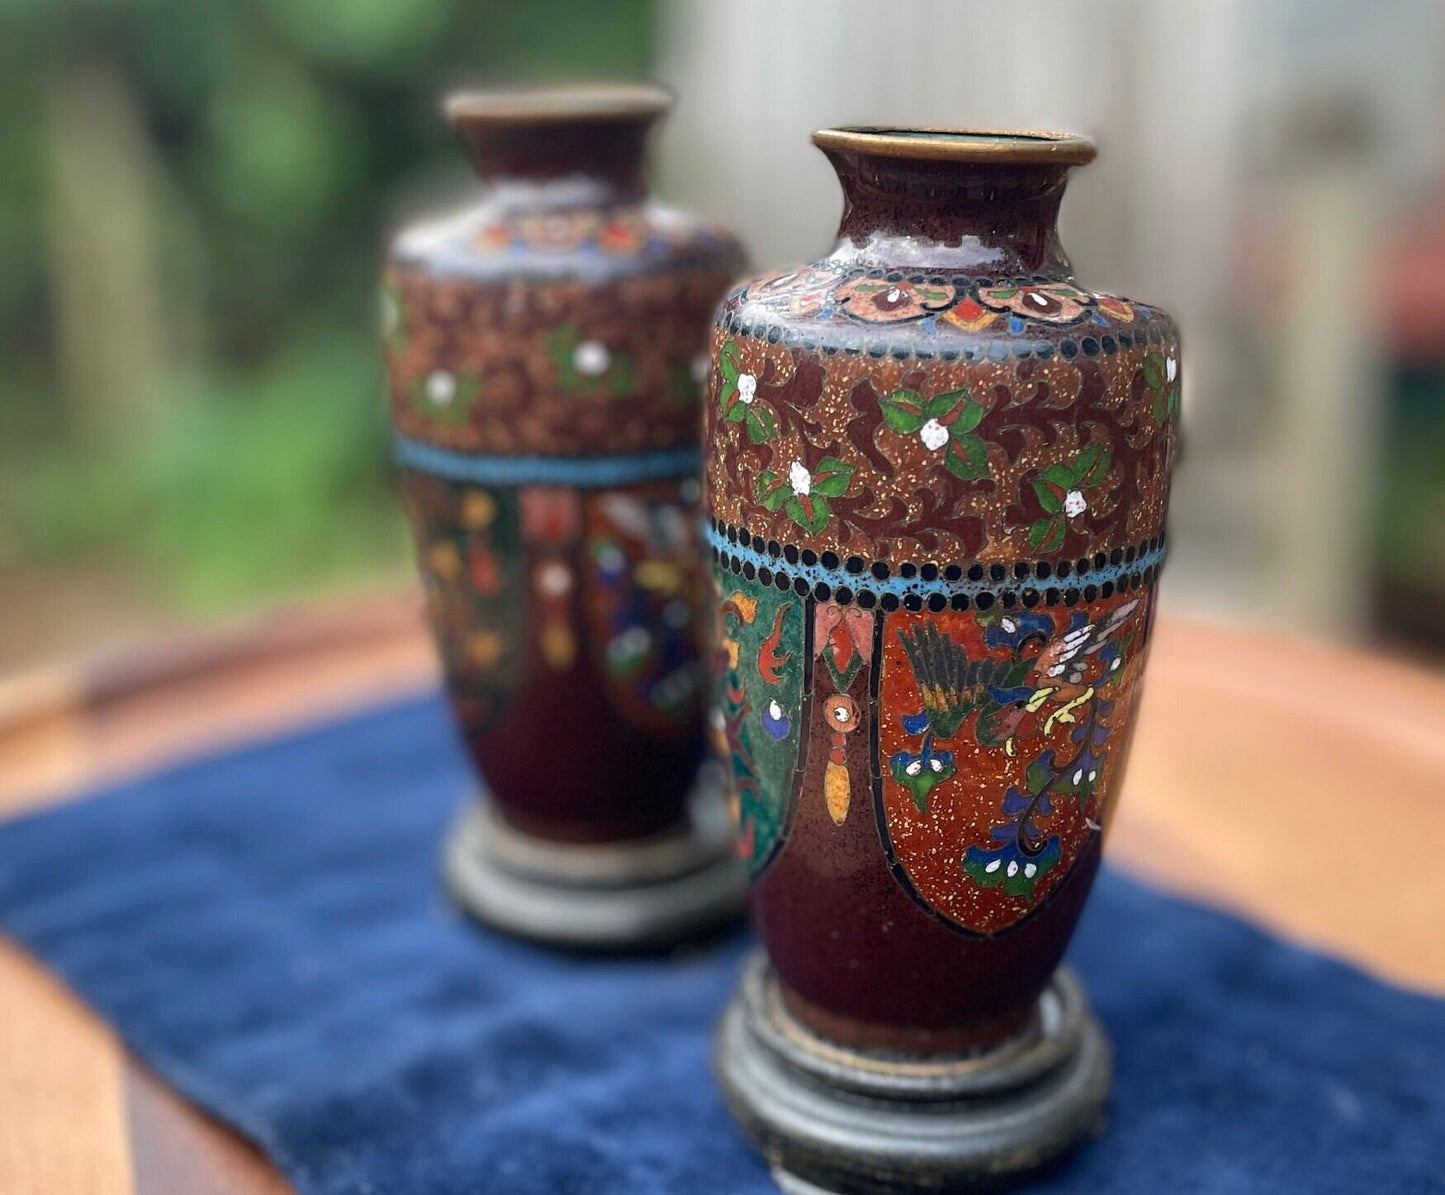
x=912, y=417
x=554, y=331
x=505, y=240
x=941, y=313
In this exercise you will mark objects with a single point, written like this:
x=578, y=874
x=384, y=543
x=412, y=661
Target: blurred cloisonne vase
x=936, y=478
x=545, y=351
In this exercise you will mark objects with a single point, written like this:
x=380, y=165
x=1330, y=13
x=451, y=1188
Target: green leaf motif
x=1092, y=465
x=831, y=477
x=966, y=458
x=761, y=427
x=1066, y=477
x=1039, y=775
x=970, y=415
x=809, y=511
x=619, y=374
x=904, y=412
x=1154, y=370
x=1166, y=403
x=727, y=362
x=456, y=409
x=976, y=863
x=1050, y=495
x=561, y=344
x=772, y=490
x=1079, y=783
x=1047, y=535
x=561, y=348
x=921, y=785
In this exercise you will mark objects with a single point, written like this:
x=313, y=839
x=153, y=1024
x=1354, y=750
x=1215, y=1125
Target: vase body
x=936, y=480
x=545, y=349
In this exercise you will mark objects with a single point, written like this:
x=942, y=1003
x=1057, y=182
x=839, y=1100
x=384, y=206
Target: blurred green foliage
x=272, y=144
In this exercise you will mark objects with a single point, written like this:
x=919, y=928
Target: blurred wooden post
x=104, y=285
x=1331, y=393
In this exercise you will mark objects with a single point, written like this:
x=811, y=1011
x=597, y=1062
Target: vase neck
x=575, y=144
x=966, y=202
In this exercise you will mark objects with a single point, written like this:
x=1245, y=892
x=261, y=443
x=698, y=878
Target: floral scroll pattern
x=977, y=457
x=1026, y=705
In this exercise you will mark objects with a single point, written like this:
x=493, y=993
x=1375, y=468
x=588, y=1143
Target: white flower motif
x=914, y=767
x=591, y=358
x=800, y=479
x=1171, y=368
x=1074, y=504
x=554, y=579
x=441, y=387
x=747, y=389
x=933, y=434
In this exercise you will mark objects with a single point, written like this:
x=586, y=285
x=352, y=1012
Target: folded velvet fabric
x=265, y=928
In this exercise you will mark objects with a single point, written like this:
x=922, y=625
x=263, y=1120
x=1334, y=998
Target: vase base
x=647, y=894
x=829, y=1119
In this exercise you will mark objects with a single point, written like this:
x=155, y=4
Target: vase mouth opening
x=1003, y=147
x=571, y=103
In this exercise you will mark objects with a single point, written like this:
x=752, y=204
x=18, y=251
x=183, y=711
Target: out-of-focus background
x=194, y=197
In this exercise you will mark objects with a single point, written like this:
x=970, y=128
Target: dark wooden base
x=830, y=1119
x=644, y=895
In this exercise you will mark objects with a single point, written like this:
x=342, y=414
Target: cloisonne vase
x=936, y=478
x=545, y=349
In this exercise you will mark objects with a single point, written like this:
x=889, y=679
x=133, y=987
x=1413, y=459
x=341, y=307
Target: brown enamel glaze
x=543, y=348
x=937, y=472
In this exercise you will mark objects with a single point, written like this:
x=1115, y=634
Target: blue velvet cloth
x=265, y=929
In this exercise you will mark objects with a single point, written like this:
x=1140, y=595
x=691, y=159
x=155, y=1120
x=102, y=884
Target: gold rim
x=1000, y=146
x=545, y=105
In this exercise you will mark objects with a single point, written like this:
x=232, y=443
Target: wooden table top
x=1256, y=767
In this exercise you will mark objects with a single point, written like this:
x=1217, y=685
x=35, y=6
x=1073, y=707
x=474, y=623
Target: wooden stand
x=643, y=895
x=830, y=1119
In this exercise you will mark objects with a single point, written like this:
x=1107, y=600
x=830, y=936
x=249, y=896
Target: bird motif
x=1066, y=661
x=1065, y=677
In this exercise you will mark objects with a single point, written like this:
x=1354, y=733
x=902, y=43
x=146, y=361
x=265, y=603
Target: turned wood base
x=643, y=895
x=830, y=1119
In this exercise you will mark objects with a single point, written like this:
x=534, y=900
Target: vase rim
x=567, y=103
x=949, y=144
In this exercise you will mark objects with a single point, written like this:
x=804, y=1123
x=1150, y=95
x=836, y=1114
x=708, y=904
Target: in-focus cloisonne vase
x=545, y=350
x=936, y=478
